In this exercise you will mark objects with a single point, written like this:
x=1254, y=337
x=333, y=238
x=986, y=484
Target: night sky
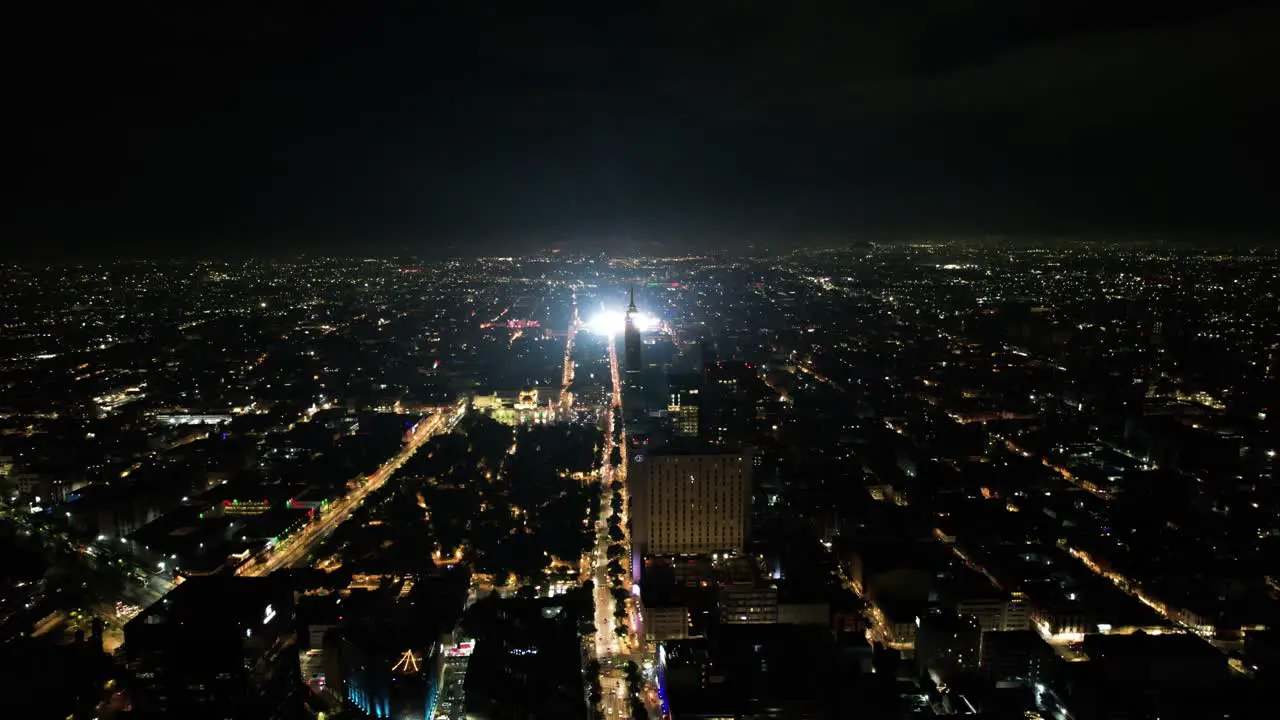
x=150, y=131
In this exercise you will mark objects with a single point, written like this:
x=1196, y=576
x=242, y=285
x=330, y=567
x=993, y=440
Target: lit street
x=612, y=651
x=297, y=547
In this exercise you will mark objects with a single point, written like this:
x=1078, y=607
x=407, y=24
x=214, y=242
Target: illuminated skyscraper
x=683, y=403
x=688, y=501
x=631, y=344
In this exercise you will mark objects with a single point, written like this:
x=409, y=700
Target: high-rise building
x=748, y=604
x=216, y=647
x=729, y=398
x=684, y=400
x=632, y=365
x=527, y=663
x=689, y=502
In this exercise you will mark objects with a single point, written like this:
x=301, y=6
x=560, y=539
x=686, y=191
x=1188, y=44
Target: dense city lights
x=1059, y=474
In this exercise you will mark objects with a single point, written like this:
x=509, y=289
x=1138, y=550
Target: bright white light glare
x=614, y=322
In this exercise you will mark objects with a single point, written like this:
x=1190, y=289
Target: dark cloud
x=338, y=126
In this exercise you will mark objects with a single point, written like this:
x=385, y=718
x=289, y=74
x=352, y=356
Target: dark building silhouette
x=947, y=645
x=387, y=675
x=751, y=671
x=632, y=365
x=527, y=661
x=727, y=412
x=216, y=647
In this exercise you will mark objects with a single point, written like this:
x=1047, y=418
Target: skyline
x=894, y=481
x=200, y=133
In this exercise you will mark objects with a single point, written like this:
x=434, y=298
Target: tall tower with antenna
x=631, y=344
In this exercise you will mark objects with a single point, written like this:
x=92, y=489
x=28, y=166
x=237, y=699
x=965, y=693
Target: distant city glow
x=614, y=322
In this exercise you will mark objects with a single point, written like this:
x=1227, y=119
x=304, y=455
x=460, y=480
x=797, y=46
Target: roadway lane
x=606, y=647
x=611, y=651
x=566, y=379
x=295, y=549
x=633, y=647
